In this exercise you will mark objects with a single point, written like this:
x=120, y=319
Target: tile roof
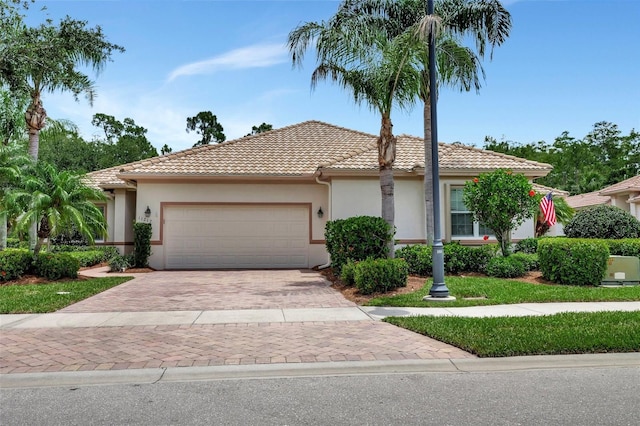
x=628, y=185
x=545, y=189
x=300, y=149
x=587, y=199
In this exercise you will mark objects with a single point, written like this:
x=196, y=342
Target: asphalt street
x=571, y=396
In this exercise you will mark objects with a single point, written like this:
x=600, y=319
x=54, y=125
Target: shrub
x=348, y=272
x=530, y=261
x=14, y=263
x=54, y=266
x=357, y=238
x=119, y=263
x=506, y=267
x=528, y=245
x=380, y=275
x=141, y=244
x=603, y=221
x=16, y=243
x=418, y=257
x=456, y=257
x=626, y=247
x=478, y=258
x=573, y=261
x=108, y=252
x=88, y=258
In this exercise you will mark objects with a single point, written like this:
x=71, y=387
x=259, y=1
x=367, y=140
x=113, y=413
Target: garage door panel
x=204, y=237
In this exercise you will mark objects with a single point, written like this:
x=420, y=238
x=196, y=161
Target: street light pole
x=439, y=290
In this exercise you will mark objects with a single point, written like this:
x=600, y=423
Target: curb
x=342, y=368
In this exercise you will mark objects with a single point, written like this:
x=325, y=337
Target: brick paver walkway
x=158, y=346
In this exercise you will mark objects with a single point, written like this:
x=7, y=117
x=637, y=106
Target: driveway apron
x=80, y=348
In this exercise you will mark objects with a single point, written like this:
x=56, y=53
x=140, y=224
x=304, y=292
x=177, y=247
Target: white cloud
x=256, y=56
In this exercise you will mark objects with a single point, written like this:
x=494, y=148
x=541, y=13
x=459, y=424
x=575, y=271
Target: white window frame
x=476, y=225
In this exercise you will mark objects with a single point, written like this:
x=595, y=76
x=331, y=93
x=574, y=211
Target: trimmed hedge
x=357, y=238
x=380, y=275
x=457, y=258
x=530, y=261
x=528, y=245
x=88, y=258
x=603, y=221
x=573, y=261
x=625, y=247
x=506, y=267
x=141, y=244
x=14, y=263
x=54, y=266
x=419, y=259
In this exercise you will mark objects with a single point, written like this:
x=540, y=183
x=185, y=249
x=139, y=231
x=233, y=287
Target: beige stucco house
x=625, y=194
x=263, y=201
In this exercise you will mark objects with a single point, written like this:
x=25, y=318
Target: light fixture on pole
x=439, y=290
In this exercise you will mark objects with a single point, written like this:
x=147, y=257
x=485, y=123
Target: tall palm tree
x=57, y=201
x=485, y=21
x=377, y=70
x=49, y=58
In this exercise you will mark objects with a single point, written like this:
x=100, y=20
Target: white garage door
x=209, y=237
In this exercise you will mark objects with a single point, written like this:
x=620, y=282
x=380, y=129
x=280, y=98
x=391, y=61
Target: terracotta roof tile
x=628, y=185
x=300, y=149
x=587, y=199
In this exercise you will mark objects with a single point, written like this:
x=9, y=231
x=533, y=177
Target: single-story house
x=262, y=201
x=625, y=194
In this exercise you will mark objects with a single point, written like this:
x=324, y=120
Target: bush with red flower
x=502, y=200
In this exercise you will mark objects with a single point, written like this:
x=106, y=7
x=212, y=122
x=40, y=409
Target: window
x=462, y=223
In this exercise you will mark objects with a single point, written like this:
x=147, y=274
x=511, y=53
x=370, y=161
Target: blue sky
x=567, y=65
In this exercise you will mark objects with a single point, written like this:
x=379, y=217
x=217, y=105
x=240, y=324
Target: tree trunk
x=428, y=165
x=3, y=230
x=386, y=157
x=35, y=116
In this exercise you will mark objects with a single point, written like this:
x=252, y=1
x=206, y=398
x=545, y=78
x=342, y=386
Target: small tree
x=141, y=244
x=502, y=201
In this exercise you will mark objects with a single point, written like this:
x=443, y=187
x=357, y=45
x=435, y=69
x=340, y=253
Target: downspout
x=326, y=265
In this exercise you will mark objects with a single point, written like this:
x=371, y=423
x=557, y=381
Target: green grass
x=495, y=291
x=566, y=333
x=42, y=298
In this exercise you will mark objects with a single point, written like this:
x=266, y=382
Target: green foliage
x=625, y=247
x=16, y=243
x=14, y=263
x=506, y=267
x=141, y=244
x=119, y=263
x=479, y=257
x=125, y=142
x=456, y=257
x=573, y=261
x=206, y=125
x=603, y=221
x=347, y=275
x=88, y=258
x=529, y=260
x=357, y=238
x=380, y=275
x=54, y=266
x=419, y=259
x=502, y=201
x=528, y=245
x=603, y=157
x=264, y=127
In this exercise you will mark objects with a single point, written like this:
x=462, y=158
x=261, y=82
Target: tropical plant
x=564, y=213
x=125, y=142
x=12, y=161
x=501, y=200
x=56, y=202
x=377, y=70
x=51, y=58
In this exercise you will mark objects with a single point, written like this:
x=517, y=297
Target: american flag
x=548, y=209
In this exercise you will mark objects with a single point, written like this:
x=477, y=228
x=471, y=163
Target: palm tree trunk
x=428, y=179
x=35, y=116
x=386, y=157
x=3, y=230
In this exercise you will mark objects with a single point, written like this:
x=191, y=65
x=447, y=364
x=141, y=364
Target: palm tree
x=564, y=213
x=12, y=162
x=47, y=58
x=377, y=70
x=57, y=201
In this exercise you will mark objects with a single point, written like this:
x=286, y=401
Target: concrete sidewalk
x=253, y=316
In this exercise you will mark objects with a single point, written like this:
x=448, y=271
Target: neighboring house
x=262, y=201
x=625, y=194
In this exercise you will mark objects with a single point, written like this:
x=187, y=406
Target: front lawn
x=475, y=291
x=566, y=333
x=50, y=297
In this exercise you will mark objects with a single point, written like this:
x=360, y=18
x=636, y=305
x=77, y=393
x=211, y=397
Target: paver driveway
x=57, y=349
